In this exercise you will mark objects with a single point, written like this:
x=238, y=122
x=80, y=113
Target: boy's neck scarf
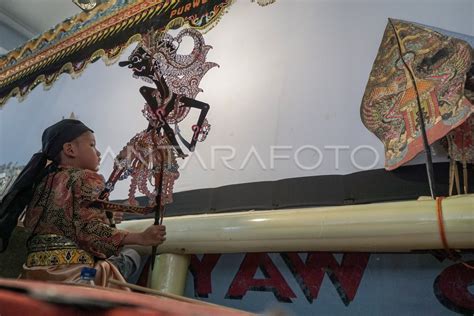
x=21, y=192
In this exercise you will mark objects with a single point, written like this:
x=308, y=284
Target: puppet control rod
x=429, y=160
x=158, y=208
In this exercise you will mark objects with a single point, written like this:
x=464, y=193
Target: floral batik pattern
x=60, y=206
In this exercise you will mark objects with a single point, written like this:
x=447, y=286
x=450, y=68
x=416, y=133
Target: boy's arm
x=152, y=236
x=118, y=207
x=92, y=233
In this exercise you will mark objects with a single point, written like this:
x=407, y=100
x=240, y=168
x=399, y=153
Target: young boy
x=68, y=234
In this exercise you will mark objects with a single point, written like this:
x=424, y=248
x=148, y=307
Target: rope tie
x=442, y=232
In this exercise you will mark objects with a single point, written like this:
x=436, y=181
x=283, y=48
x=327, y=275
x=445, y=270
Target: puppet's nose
x=124, y=63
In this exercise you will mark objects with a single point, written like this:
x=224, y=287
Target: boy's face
x=83, y=152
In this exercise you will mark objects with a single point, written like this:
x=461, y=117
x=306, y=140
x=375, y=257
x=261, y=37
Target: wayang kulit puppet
x=419, y=91
x=149, y=158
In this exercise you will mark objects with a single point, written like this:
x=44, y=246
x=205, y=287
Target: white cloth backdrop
x=291, y=74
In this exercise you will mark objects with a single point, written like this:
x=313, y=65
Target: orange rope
x=467, y=265
x=442, y=233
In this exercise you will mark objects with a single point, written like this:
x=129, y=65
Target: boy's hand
x=118, y=217
x=153, y=235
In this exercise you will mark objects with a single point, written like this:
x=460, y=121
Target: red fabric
x=19, y=303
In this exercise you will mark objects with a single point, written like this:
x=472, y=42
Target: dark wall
x=404, y=183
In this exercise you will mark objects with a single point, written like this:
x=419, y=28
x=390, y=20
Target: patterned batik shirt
x=60, y=206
